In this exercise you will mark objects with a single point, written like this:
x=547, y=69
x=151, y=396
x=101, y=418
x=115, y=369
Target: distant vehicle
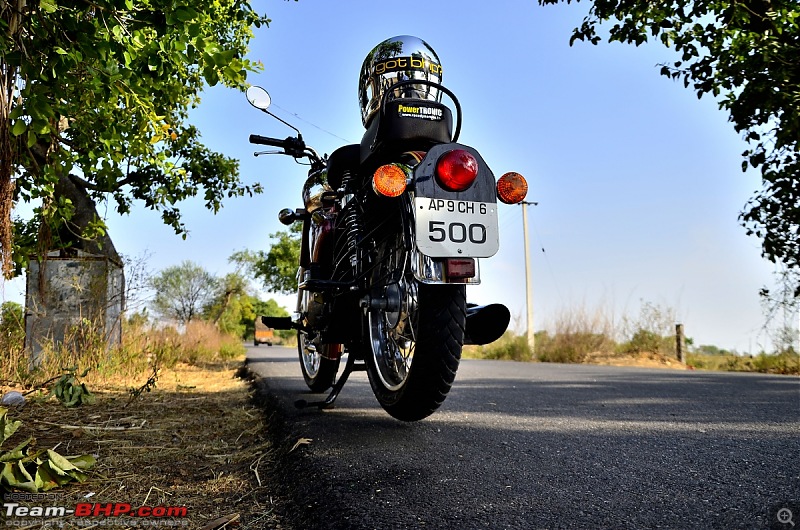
x=264, y=334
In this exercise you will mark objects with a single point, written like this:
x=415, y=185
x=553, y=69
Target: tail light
x=456, y=170
x=512, y=188
x=459, y=268
x=389, y=180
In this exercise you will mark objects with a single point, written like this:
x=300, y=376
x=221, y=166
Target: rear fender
x=432, y=270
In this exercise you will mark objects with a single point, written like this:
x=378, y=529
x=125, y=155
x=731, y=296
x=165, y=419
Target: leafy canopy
x=746, y=54
x=277, y=268
x=182, y=291
x=101, y=90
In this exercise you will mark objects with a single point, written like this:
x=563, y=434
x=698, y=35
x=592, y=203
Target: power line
x=549, y=265
x=312, y=124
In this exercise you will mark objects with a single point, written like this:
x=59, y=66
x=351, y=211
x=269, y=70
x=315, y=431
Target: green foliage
x=270, y=308
x=103, y=90
x=231, y=350
x=277, y=268
x=710, y=349
x=745, y=55
x=651, y=331
x=509, y=347
x=12, y=326
x=787, y=362
x=182, y=291
x=34, y=471
x=70, y=391
x=230, y=304
x=646, y=341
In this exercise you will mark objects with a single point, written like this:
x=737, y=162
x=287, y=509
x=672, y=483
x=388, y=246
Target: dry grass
x=575, y=333
x=142, y=349
x=195, y=441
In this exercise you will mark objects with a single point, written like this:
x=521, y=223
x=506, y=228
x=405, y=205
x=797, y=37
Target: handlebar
x=293, y=146
x=265, y=140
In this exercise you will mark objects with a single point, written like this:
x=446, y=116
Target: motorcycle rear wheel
x=414, y=342
x=319, y=372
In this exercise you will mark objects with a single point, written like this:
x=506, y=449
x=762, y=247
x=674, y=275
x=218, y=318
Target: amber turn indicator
x=389, y=180
x=512, y=188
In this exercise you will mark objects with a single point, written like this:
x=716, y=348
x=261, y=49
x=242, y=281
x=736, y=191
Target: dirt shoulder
x=197, y=440
x=641, y=360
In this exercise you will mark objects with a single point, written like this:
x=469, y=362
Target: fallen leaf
x=301, y=441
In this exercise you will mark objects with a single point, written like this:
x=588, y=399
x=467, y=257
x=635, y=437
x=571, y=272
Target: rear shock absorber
x=350, y=222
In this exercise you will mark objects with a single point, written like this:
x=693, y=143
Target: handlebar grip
x=265, y=140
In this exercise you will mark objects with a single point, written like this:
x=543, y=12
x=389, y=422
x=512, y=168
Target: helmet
x=392, y=61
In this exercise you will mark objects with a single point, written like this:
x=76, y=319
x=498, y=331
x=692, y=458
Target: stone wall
x=67, y=293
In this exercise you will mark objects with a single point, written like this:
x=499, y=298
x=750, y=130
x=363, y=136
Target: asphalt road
x=534, y=445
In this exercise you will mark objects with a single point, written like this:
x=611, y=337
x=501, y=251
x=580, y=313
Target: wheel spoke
x=392, y=331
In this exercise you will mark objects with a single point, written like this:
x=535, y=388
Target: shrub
x=652, y=331
x=645, y=341
x=571, y=347
x=576, y=333
x=509, y=347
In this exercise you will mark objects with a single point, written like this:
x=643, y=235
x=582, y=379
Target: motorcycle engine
x=313, y=309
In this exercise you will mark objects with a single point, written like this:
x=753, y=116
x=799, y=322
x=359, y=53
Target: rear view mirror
x=258, y=97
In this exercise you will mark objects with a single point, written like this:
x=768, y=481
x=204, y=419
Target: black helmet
x=393, y=60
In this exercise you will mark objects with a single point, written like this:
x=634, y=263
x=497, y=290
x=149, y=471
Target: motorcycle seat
x=343, y=160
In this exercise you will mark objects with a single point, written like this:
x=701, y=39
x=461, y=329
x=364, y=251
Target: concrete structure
x=68, y=294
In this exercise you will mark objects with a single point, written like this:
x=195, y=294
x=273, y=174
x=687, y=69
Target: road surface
x=535, y=445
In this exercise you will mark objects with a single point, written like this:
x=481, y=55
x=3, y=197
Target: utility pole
x=528, y=281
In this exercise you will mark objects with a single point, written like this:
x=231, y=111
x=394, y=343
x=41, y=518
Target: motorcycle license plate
x=448, y=228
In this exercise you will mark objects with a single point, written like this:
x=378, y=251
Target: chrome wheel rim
x=392, y=329
x=308, y=352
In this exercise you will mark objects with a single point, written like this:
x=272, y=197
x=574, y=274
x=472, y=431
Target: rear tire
x=414, y=342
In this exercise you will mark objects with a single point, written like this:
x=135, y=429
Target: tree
x=94, y=99
x=276, y=268
x=746, y=54
x=270, y=308
x=233, y=318
x=182, y=291
x=229, y=289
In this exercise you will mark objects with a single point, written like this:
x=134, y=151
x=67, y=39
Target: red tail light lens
x=456, y=170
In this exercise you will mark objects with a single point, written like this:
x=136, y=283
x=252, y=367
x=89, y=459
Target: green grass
x=787, y=363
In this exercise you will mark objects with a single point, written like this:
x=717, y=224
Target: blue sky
x=639, y=183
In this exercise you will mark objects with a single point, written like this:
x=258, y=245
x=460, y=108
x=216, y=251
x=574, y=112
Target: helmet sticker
x=407, y=63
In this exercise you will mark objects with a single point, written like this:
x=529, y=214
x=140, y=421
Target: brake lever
x=259, y=153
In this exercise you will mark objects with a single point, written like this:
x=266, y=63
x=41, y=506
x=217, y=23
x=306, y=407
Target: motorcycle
x=393, y=230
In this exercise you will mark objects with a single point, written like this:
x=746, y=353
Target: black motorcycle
x=393, y=229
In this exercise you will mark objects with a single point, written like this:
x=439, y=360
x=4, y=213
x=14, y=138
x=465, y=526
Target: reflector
x=459, y=268
x=389, y=180
x=512, y=188
x=456, y=170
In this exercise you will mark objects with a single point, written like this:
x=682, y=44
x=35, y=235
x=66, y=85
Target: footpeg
x=278, y=322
